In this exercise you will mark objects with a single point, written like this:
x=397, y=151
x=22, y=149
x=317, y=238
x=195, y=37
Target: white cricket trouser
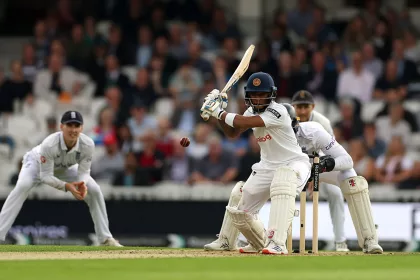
x=29, y=178
x=256, y=190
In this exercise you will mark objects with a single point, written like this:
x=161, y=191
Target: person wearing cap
x=62, y=161
x=304, y=104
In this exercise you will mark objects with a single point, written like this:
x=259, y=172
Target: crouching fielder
x=276, y=177
x=339, y=167
x=61, y=161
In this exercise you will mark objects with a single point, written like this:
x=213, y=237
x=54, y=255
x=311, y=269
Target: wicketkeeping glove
x=326, y=164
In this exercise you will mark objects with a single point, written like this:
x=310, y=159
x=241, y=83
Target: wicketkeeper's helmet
x=260, y=82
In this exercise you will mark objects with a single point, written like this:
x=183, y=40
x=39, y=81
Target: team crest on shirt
x=256, y=82
x=43, y=159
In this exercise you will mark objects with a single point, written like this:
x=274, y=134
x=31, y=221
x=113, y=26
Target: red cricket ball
x=185, y=142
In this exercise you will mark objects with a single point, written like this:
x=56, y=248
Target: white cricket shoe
x=341, y=247
x=220, y=244
x=372, y=247
x=112, y=243
x=248, y=249
x=274, y=249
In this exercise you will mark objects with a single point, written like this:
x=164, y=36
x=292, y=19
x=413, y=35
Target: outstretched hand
x=77, y=189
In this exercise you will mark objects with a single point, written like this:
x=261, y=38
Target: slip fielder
x=61, y=161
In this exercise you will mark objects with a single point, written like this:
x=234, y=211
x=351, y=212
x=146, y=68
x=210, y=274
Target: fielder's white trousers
x=29, y=178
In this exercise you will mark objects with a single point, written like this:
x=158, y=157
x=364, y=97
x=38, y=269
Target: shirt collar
x=311, y=117
x=64, y=147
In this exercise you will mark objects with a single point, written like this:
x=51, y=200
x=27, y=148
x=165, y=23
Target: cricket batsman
x=282, y=172
x=61, y=161
x=304, y=105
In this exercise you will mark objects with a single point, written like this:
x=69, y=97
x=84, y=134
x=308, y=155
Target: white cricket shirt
x=321, y=119
x=277, y=139
x=54, y=157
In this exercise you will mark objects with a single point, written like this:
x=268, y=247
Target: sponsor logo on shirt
x=329, y=146
x=274, y=112
x=264, y=138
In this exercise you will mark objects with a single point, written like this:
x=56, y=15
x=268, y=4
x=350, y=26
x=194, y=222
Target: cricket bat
x=239, y=72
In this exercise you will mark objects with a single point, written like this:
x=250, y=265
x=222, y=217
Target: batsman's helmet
x=260, y=82
x=292, y=113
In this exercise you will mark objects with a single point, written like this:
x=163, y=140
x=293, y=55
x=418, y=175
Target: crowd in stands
x=374, y=58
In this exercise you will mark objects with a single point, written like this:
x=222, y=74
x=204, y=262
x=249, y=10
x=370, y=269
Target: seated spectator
x=105, y=126
x=119, y=104
x=218, y=166
x=375, y=146
x=113, y=74
x=264, y=60
x=29, y=66
x=106, y=167
x=356, y=82
x=220, y=29
x=323, y=30
x=382, y=40
x=144, y=46
x=320, y=81
x=178, y=44
x=199, y=146
x=393, y=124
x=407, y=69
x=95, y=65
x=338, y=135
x=251, y=157
x=288, y=81
x=356, y=34
x=123, y=52
x=41, y=43
x=15, y=176
x=363, y=164
x=395, y=166
x=157, y=21
x=371, y=62
x=412, y=48
x=335, y=57
x=390, y=81
x=78, y=50
x=185, y=83
x=91, y=35
x=126, y=142
x=14, y=88
x=300, y=18
x=178, y=167
x=140, y=123
x=150, y=160
x=143, y=89
x=196, y=59
x=131, y=175
x=279, y=41
x=157, y=75
x=237, y=146
x=169, y=64
x=414, y=181
x=58, y=82
x=165, y=139
x=351, y=124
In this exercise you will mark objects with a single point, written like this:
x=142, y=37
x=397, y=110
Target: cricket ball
x=185, y=142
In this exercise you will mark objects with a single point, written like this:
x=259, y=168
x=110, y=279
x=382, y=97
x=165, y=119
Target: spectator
x=157, y=75
x=57, y=48
x=356, y=82
x=150, y=159
x=237, y=145
x=338, y=135
x=323, y=31
x=58, y=81
x=414, y=181
x=143, y=89
x=199, y=146
x=179, y=166
x=362, y=163
x=372, y=14
x=170, y=64
x=393, y=124
x=144, y=46
x=356, y=34
x=412, y=48
x=125, y=138
x=218, y=166
x=96, y=65
x=41, y=44
x=279, y=41
x=140, y=124
x=157, y=23
x=119, y=105
x=264, y=60
x=64, y=15
x=178, y=44
x=288, y=82
x=395, y=166
x=371, y=62
x=335, y=57
x=135, y=14
x=320, y=81
x=116, y=47
x=113, y=74
x=300, y=60
x=351, y=125
x=78, y=50
x=229, y=51
x=389, y=81
x=301, y=18
x=29, y=66
x=132, y=175
x=375, y=146
x=91, y=36
x=164, y=136
x=14, y=88
x=407, y=70
x=221, y=29
x=105, y=127
x=107, y=166
x=220, y=72
x=196, y=59
x=251, y=157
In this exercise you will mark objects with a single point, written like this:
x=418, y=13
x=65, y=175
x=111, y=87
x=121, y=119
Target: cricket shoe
x=372, y=247
x=112, y=243
x=341, y=247
x=220, y=244
x=274, y=249
x=248, y=249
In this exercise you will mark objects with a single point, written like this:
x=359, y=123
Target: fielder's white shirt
x=313, y=137
x=321, y=119
x=54, y=158
x=277, y=139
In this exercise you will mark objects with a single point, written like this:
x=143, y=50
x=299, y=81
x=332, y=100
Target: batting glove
x=215, y=94
x=211, y=108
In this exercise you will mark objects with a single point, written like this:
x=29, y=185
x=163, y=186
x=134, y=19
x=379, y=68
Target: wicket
x=302, y=214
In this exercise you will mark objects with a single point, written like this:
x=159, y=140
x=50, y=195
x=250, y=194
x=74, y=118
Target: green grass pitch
x=192, y=264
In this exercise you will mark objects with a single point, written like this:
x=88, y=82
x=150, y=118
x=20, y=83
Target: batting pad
x=228, y=230
x=283, y=196
x=355, y=190
x=249, y=225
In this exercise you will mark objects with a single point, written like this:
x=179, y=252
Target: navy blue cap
x=72, y=117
